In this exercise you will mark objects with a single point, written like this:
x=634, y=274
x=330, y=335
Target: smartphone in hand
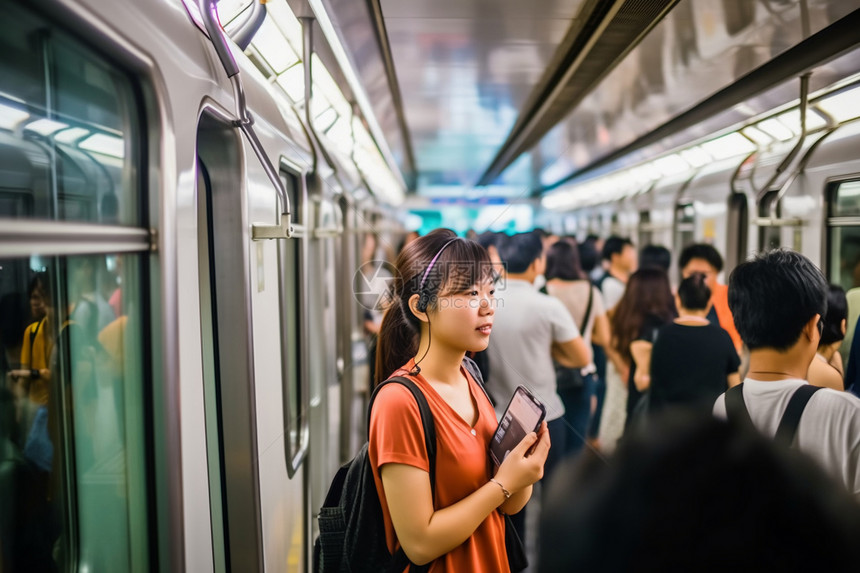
x=524, y=414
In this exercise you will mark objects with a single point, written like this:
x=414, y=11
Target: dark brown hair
x=647, y=293
x=562, y=261
x=461, y=264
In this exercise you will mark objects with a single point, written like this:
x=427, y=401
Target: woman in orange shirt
x=442, y=307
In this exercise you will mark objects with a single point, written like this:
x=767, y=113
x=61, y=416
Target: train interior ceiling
x=189, y=190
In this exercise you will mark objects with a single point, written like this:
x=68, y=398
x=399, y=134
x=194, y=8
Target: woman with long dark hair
x=567, y=282
x=647, y=305
x=442, y=306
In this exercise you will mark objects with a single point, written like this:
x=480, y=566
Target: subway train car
x=186, y=227
x=771, y=183
x=181, y=289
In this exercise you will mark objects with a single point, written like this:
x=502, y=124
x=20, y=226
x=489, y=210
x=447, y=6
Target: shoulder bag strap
x=791, y=418
x=736, y=408
x=33, y=334
x=587, y=310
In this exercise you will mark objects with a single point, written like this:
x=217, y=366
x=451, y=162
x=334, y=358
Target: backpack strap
x=399, y=561
x=736, y=408
x=427, y=422
x=791, y=418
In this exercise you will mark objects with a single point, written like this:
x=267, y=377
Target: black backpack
x=736, y=411
x=352, y=530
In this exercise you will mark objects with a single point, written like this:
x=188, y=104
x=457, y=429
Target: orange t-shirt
x=720, y=299
x=462, y=464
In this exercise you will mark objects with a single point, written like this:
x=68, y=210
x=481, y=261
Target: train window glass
x=72, y=448
x=846, y=200
x=292, y=339
x=844, y=234
x=68, y=127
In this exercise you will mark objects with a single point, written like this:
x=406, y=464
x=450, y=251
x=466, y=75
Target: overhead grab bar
x=245, y=122
x=251, y=25
x=804, y=104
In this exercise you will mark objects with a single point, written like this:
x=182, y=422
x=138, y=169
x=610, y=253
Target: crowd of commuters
x=632, y=369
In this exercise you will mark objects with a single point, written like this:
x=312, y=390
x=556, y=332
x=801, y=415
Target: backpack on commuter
x=737, y=412
x=352, y=529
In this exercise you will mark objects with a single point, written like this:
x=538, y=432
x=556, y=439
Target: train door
x=645, y=229
x=737, y=229
x=77, y=306
x=685, y=226
x=769, y=234
x=231, y=472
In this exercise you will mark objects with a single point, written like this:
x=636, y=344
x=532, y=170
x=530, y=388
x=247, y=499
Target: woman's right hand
x=524, y=465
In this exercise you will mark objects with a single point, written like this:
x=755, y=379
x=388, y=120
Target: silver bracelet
x=504, y=491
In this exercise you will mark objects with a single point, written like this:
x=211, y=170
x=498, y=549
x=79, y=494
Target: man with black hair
x=705, y=259
x=778, y=299
x=529, y=329
x=655, y=257
x=620, y=255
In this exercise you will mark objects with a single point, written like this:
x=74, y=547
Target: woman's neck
x=439, y=363
x=827, y=351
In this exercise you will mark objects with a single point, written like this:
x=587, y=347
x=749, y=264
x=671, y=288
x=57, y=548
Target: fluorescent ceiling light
x=293, y=82
x=287, y=23
x=842, y=106
x=105, y=145
x=776, y=129
x=341, y=134
x=728, y=146
x=757, y=135
x=671, y=164
x=273, y=46
x=324, y=84
x=791, y=119
x=357, y=90
x=326, y=119
x=71, y=135
x=45, y=126
x=10, y=117
x=696, y=156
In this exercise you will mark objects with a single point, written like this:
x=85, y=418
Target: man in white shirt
x=778, y=299
x=529, y=329
x=620, y=254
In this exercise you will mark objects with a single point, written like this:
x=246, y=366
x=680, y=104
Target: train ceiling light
x=11, y=117
x=841, y=106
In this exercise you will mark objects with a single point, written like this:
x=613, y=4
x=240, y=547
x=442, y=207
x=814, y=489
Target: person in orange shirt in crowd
x=442, y=306
x=703, y=258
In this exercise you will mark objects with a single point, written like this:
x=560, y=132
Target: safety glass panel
x=72, y=448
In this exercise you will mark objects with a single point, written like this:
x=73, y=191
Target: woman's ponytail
x=396, y=344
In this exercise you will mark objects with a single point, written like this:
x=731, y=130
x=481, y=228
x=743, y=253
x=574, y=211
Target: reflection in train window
x=68, y=128
x=844, y=234
x=72, y=448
